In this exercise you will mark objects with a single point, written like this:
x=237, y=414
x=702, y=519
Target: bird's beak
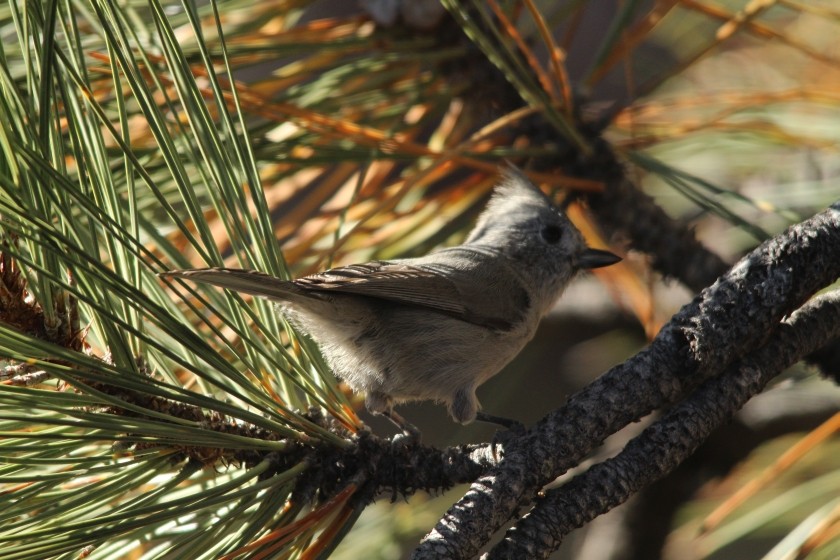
x=596, y=258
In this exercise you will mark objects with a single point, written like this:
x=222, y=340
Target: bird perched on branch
x=438, y=326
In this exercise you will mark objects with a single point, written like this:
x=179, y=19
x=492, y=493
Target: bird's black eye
x=551, y=234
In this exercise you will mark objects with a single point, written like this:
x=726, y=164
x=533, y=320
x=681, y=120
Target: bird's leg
x=410, y=433
x=380, y=403
x=512, y=425
x=513, y=429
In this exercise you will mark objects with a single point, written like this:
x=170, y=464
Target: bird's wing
x=391, y=281
x=449, y=290
x=476, y=296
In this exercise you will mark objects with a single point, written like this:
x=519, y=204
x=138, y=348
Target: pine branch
x=622, y=209
x=625, y=212
x=640, y=528
x=672, y=439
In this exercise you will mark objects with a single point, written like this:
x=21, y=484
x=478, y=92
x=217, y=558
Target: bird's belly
x=418, y=355
x=407, y=353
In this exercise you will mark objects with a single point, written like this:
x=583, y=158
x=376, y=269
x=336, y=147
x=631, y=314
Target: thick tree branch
x=639, y=528
x=623, y=210
x=672, y=439
x=726, y=321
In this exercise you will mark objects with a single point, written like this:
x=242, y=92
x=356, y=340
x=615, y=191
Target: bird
x=434, y=327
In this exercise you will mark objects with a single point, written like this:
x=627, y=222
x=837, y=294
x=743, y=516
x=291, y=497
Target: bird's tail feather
x=239, y=280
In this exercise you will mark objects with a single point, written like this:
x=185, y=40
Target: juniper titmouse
x=435, y=327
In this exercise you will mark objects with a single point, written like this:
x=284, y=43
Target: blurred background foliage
x=141, y=419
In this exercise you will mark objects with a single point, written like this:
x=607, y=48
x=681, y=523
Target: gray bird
x=438, y=326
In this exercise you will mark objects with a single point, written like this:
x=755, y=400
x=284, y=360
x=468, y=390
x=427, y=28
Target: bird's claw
x=409, y=434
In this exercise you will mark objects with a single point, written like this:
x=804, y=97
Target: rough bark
x=672, y=439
